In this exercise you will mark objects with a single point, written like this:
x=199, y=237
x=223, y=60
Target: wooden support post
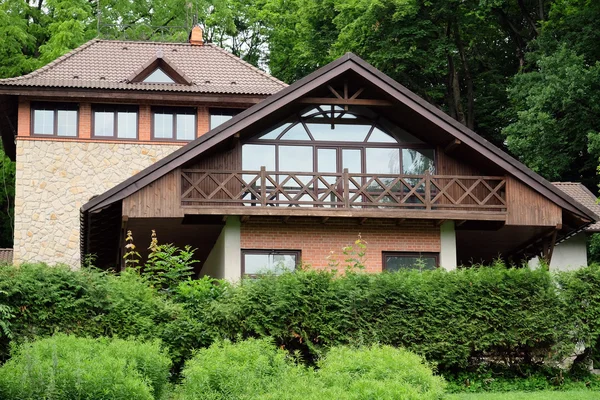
x=263, y=186
x=346, y=183
x=427, y=190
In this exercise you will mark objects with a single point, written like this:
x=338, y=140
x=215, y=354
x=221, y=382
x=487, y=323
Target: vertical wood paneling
x=159, y=199
x=527, y=207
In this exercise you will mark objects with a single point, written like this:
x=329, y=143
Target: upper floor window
x=55, y=119
x=220, y=115
x=329, y=139
x=115, y=121
x=173, y=123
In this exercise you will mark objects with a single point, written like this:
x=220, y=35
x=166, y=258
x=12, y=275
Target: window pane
x=327, y=159
x=256, y=155
x=417, y=161
x=397, y=262
x=351, y=160
x=379, y=136
x=296, y=158
x=255, y=263
x=383, y=161
x=297, y=132
x=340, y=132
x=218, y=119
x=163, y=126
x=158, y=76
x=127, y=125
x=43, y=122
x=67, y=123
x=275, y=132
x=186, y=127
x=104, y=123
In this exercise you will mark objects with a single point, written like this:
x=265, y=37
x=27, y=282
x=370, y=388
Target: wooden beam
x=342, y=102
x=363, y=220
x=460, y=223
x=452, y=145
x=346, y=213
x=440, y=222
x=400, y=221
x=245, y=218
x=286, y=219
x=224, y=218
x=324, y=219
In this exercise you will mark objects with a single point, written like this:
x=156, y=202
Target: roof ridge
x=53, y=63
x=246, y=64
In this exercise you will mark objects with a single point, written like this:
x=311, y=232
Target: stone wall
x=55, y=178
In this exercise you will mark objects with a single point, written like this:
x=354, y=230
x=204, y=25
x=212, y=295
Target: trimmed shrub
x=227, y=371
x=65, y=367
x=255, y=369
x=458, y=320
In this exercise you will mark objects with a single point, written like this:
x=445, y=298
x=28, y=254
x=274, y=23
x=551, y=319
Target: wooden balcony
x=343, y=194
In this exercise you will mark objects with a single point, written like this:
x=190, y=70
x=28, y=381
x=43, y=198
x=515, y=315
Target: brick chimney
x=196, y=36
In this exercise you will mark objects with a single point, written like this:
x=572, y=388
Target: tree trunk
x=470, y=115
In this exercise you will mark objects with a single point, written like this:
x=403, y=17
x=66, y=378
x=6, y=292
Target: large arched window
x=329, y=139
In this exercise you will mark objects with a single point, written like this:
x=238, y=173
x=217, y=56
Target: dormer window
x=158, y=76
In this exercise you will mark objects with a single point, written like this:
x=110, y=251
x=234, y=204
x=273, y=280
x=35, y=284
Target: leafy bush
x=37, y=301
x=256, y=369
x=65, y=367
x=230, y=371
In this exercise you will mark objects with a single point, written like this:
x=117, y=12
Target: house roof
x=110, y=64
x=584, y=196
x=348, y=62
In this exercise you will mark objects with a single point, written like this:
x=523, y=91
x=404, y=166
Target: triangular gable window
x=158, y=76
x=159, y=70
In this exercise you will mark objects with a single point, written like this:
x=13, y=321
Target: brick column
x=85, y=120
x=203, y=120
x=24, y=118
x=145, y=123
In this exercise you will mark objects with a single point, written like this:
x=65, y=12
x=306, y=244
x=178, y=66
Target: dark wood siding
x=527, y=207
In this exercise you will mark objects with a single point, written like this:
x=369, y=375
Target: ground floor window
x=395, y=261
x=257, y=262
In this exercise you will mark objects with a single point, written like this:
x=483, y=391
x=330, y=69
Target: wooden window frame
x=225, y=111
x=296, y=253
x=55, y=107
x=409, y=254
x=115, y=109
x=174, y=111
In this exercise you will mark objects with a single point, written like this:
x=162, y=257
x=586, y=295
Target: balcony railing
x=349, y=191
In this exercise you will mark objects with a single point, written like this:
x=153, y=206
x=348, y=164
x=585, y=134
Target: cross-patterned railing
x=210, y=188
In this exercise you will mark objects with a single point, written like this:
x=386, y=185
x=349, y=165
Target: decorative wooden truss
x=341, y=191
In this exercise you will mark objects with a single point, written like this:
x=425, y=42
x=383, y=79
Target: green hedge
x=462, y=321
x=455, y=319
x=66, y=367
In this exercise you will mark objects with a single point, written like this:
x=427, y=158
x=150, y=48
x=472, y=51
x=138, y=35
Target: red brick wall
x=24, y=118
x=316, y=240
x=203, y=120
x=85, y=120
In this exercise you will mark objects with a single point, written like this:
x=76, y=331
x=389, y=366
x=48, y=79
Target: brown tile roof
x=583, y=195
x=109, y=64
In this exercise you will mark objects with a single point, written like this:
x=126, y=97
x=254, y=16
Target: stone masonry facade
x=55, y=178
x=316, y=240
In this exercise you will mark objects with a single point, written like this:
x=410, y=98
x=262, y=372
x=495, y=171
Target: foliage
x=131, y=256
x=38, y=301
x=443, y=316
x=167, y=265
x=256, y=369
x=545, y=395
x=67, y=367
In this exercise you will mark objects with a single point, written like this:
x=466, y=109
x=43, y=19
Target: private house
x=100, y=114
x=297, y=172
